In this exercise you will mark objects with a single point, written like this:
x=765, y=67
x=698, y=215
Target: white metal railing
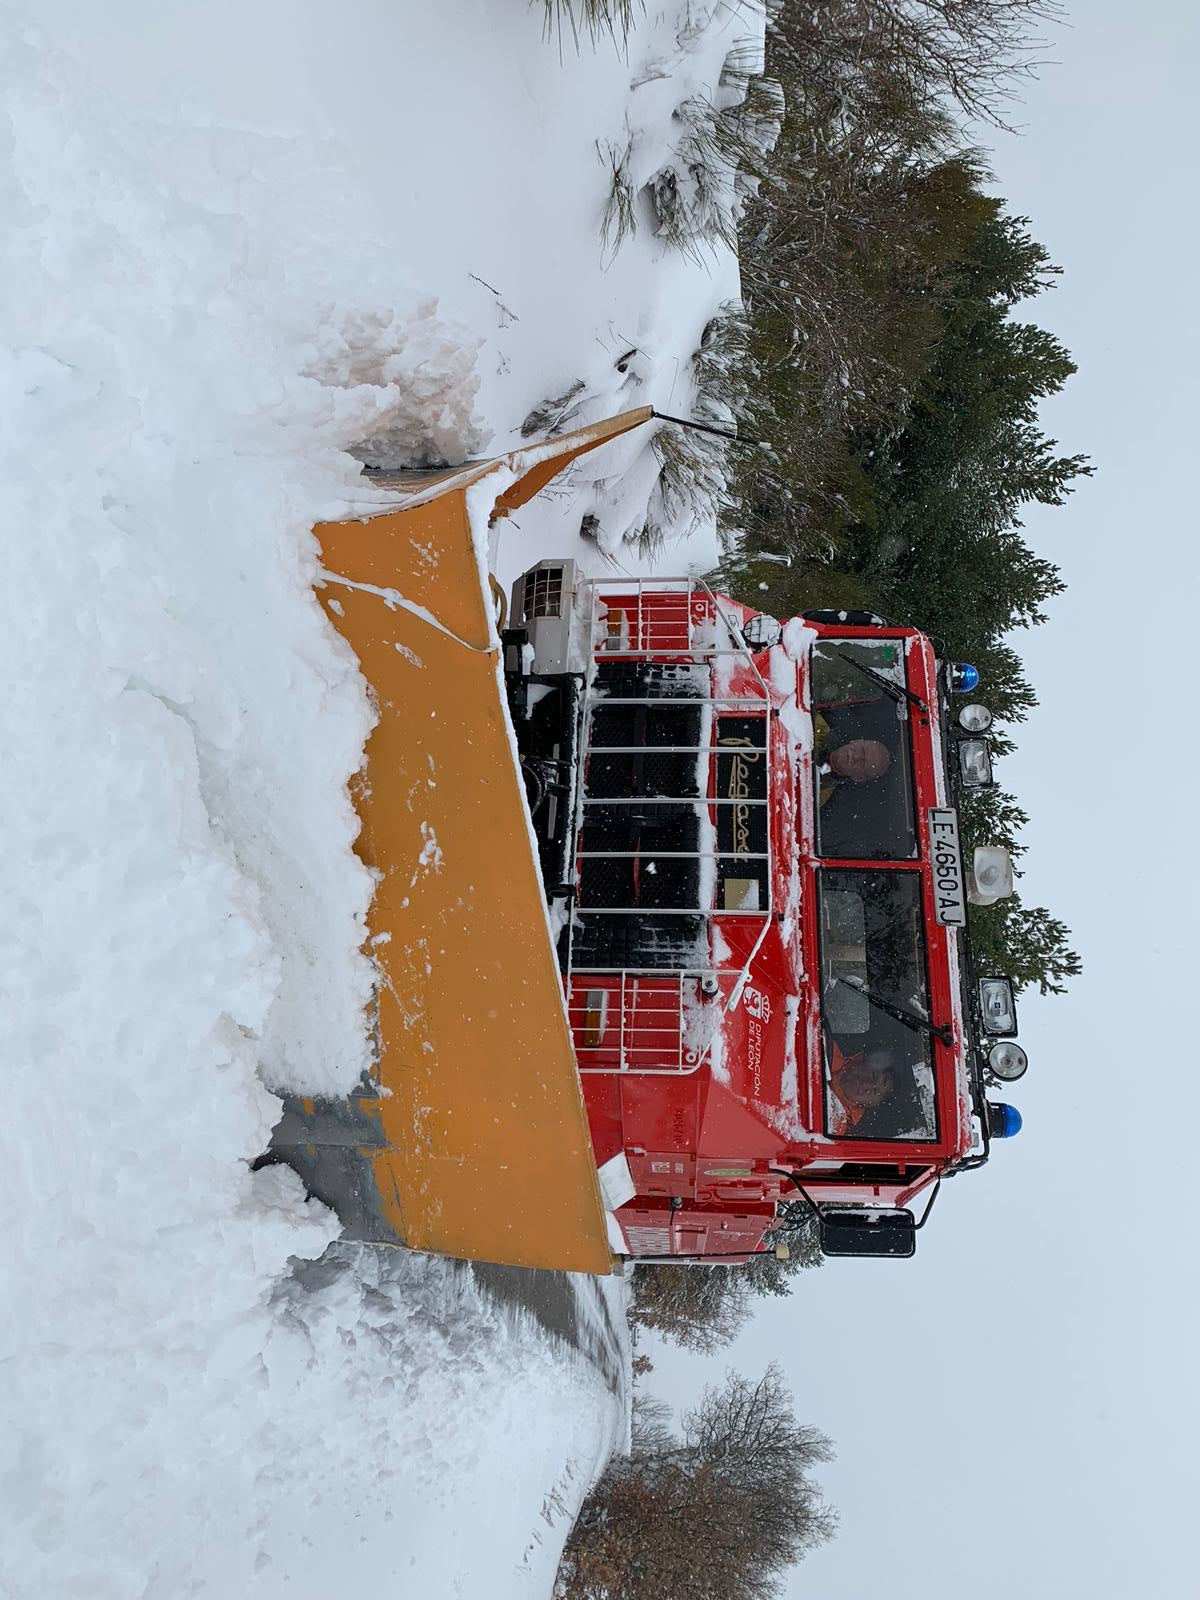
x=676, y=622
x=646, y=1021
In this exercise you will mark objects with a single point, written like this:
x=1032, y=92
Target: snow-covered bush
x=719, y=161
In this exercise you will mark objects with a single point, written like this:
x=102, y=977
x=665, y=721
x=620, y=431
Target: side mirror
x=857, y=1231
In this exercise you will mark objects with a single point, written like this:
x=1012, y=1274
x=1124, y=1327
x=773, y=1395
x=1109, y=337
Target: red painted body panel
x=702, y=1139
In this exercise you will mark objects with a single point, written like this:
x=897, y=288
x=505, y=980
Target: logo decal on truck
x=757, y=1003
x=739, y=790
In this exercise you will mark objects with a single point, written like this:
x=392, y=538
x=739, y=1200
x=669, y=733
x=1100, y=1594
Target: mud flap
x=471, y=1139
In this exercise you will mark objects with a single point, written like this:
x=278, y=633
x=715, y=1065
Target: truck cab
x=749, y=837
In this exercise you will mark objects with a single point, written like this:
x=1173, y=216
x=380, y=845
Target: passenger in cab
x=872, y=1093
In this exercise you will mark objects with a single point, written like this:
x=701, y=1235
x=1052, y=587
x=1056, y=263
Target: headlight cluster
x=974, y=751
x=1006, y=1061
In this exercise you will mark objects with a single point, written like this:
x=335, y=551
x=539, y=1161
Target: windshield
x=878, y=1059
x=861, y=751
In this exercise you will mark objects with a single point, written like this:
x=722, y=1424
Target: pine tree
x=894, y=392
x=1025, y=943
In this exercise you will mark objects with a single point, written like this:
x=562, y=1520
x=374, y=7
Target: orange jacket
x=847, y=1111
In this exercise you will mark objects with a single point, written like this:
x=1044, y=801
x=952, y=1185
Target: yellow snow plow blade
x=471, y=1140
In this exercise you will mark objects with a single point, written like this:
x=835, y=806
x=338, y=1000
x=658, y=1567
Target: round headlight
x=975, y=719
x=1007, y=1061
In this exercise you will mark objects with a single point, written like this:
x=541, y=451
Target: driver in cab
x=853, y=761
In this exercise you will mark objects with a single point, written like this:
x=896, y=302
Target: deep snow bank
x=183, y=911
x=197, y=323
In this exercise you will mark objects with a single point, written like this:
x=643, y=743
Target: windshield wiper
x=911, y=1019
x=895, y=691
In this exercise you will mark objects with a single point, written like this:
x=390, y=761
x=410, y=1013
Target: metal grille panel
x=543, y=593
x=651, y=861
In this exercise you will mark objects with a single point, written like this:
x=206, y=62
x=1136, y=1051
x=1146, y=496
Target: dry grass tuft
x=620, y=215
x=594, y=17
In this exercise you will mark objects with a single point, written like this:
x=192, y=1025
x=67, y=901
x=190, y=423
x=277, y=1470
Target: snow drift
x=201, y=322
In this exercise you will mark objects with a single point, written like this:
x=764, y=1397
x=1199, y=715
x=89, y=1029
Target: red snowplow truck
x=748, y=833
x=693, y=954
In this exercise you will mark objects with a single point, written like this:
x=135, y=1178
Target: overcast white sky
x=1021, y=1403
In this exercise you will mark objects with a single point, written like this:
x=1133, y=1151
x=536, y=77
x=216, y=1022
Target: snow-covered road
x=234, y=241
x=584, y=1314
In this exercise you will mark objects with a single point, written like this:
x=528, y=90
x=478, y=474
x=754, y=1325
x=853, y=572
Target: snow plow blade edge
x=472, y=1139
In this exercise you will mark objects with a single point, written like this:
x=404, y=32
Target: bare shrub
x=701, y=1308
x=721, y=1512
x=973, y=54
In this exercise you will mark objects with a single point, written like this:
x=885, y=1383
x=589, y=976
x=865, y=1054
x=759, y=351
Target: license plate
x=949, y=888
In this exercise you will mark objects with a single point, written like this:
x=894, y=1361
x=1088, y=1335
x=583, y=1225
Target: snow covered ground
x=235, y=242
